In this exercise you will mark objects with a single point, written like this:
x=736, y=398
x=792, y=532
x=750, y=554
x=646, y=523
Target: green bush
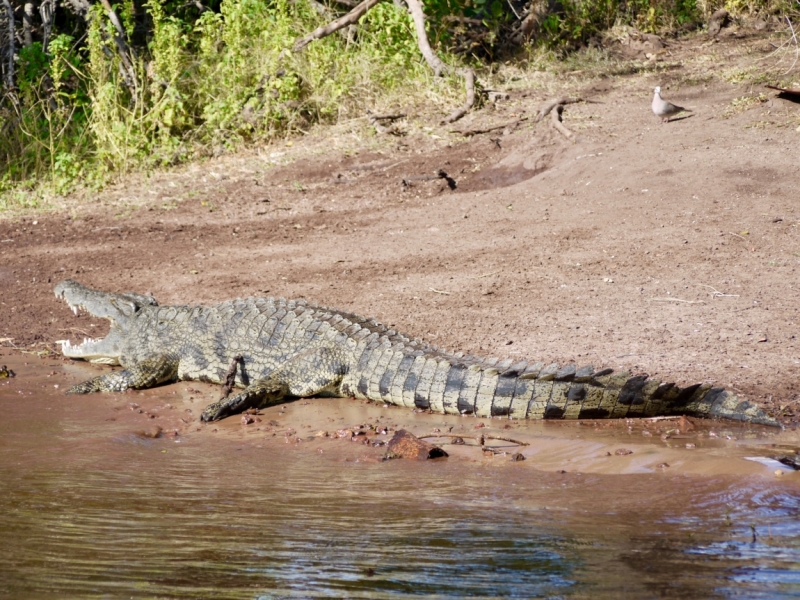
x=226, y=77
x=201, y=81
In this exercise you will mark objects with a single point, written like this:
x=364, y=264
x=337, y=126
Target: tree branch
x=83, y=8
x=469, y=87
x=9, y=48
x=437, y=65
x=125, y=52
x=27, y=23
x=434, y=62
x=349, y=19
x=46, y=10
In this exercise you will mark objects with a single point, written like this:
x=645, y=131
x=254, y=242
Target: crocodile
x=292, y=348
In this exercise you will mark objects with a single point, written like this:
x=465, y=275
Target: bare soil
x=664, y=249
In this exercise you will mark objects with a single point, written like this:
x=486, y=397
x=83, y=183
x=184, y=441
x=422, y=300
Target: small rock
x=517, y=457
x=407, y=445
x=623, y=452
x=247, y=419
x=152, y=432
x=690, y=445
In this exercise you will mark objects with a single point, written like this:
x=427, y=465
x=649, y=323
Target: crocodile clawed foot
x=214, y=412
x=86, y=387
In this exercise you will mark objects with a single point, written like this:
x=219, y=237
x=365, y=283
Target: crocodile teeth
x=75, y=310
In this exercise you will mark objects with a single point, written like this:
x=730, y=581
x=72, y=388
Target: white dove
x=662, y=108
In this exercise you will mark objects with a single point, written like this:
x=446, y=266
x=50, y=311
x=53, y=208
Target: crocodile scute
x=293, y=348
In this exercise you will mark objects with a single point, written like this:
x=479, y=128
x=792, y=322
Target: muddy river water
x=127, y=495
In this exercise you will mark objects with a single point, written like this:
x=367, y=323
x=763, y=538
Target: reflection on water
x=88, y=509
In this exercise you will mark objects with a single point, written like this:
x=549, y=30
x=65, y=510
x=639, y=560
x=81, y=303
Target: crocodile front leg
x=145, y=374
x=260, y=394
x=307, y=374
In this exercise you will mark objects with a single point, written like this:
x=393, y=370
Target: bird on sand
x=662, y=108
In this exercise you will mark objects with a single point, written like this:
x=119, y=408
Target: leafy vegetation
x=145, y=83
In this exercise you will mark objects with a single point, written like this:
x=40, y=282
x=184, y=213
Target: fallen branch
x=439, y=292
x=471, y=132
x=349, y=19
x=387, y=117
x=547, y=108
x=469, y=86
x=375, y=121
x=556, y=121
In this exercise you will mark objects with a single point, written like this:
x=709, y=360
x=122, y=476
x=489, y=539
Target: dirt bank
x=665, y=249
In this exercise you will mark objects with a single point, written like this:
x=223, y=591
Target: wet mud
x=129, y=494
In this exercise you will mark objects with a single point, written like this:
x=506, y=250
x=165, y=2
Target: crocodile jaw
x=102, y=305
x=101, y=351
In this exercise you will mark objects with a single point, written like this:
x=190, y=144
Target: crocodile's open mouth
x=82, y=300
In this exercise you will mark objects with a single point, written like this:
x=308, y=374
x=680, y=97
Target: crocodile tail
x=467, y=385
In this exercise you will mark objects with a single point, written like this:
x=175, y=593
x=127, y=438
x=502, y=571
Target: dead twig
x=440, y=292
x=676, y=300
x=230, y=376
x=485, y=275
x=479, y=439
x=715, y=293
